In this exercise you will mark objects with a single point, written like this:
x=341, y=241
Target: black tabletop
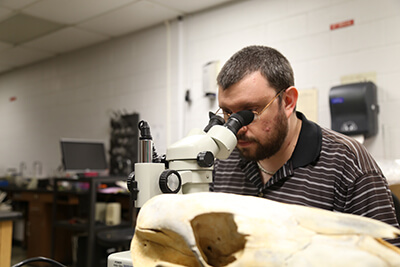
x=9, y=215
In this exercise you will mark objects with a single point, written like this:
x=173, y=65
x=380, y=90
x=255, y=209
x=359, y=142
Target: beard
x=270, y=143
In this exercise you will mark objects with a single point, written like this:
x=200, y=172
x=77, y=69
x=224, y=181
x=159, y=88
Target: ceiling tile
x=4, y=68
x=78, y=20
x=4, y=13
x=16, y=4
x=190, y=6
x=21, y=56
x=133, y=17
x=20, y=28
x=4, y=46
x=66, y=40
x=73, y=11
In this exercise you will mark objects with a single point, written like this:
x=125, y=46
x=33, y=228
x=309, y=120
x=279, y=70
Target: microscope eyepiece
x=144, y=128
x=214, y=120
x=238, y=120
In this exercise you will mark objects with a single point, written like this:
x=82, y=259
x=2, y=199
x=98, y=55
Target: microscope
x=186, y=167
x=188, y=164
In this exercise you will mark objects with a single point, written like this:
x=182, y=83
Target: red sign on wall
x=342, y=24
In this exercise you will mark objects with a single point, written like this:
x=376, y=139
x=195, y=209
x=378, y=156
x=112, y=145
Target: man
x=284, y=157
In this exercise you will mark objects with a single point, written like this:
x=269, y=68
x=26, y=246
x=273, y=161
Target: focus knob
x=170, y=181
x=205, y=159
x=132, y=185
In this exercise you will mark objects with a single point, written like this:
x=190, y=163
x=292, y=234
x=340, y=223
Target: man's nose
x=242, y=131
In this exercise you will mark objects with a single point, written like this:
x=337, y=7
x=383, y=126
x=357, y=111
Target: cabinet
x=6, y=225
x=36, y=207
x=81, y=213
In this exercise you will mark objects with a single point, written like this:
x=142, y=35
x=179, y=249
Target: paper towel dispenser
x=354, y=109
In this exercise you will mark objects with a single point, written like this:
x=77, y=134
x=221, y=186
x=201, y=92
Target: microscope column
x=147, y=173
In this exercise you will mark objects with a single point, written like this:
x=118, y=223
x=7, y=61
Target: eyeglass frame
x=256, y=113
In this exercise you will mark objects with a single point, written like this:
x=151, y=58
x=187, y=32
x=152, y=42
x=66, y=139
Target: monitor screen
x=83, y=156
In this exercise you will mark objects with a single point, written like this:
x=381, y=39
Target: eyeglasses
x=257, y=114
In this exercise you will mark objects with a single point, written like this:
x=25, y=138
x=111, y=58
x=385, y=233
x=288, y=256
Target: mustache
x=242, y=137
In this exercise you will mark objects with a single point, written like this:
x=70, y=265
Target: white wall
x=75, y=95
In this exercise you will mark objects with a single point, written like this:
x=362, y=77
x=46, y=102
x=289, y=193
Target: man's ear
x=290, y=97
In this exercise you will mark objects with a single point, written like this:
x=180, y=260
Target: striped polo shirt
x=327, y=170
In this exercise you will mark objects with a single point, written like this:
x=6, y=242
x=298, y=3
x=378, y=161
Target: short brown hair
x=271, y=63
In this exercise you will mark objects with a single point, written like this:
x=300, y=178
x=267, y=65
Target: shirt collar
x=306, y=152
x=309, y=143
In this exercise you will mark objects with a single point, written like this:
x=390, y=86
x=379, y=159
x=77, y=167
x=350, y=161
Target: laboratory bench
x=55, y=218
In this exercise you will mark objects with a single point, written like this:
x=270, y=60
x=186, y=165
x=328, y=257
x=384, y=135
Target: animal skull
x=218, y=229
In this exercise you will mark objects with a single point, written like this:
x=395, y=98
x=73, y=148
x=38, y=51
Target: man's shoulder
x=346, y=148
x=333, y=138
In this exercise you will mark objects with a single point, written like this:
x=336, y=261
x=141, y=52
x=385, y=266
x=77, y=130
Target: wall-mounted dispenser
x=354, y=109
x=210, y=73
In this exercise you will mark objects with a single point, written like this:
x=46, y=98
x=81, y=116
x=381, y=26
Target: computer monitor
x=80, y=156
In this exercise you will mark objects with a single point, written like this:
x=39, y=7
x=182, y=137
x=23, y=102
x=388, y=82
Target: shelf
x=84, y=226
x=85, y=222
x=71, y=226
x=123, y=143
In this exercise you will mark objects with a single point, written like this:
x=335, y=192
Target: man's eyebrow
x=243, y=106
x=225, y=109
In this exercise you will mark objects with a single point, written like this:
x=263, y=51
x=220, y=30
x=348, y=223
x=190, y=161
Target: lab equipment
x=82, y=156
x=188, y=163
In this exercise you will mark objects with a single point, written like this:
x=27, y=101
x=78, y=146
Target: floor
x=18, y=254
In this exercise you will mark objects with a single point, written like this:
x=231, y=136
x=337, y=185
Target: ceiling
x=33, y=30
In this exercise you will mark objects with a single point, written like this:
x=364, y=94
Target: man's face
x=263, y=137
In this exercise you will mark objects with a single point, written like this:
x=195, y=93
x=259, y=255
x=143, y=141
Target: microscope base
x=120, y=259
